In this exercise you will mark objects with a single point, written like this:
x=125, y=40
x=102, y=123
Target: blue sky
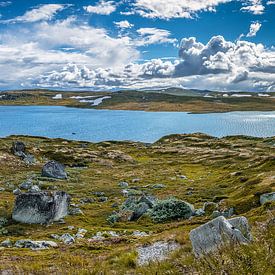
x=96, y=45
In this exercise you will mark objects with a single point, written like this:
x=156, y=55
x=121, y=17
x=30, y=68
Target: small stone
x=26, y=185
x=55, y=236
x=136, y=180
x=75, y=211
x=199, y=212
x=80, y=233
x=123, y=184
x=158, y=186
x=138, y=233
x=16, y=192
x=268, y=197
x=102, y=199
x=183, y=177
x=34, y=189
x=6, y=243
x=67, y=238
x=71, y=227
x=2, y=189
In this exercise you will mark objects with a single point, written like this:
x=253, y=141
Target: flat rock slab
x=212, y=235
x=156, y=252
x=40, y=207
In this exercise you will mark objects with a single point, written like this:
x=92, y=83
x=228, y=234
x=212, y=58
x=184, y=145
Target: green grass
x=209, y=165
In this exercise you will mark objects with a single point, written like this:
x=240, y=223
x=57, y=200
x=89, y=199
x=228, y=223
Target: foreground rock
x=54, y=169
x=35, y=245
x=40, y=207
x=156, y=252
x=213, y=235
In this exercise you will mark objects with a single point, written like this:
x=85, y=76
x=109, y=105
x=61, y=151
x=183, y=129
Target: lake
x=100, y=125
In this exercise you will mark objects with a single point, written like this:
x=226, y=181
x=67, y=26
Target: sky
x=224, y=45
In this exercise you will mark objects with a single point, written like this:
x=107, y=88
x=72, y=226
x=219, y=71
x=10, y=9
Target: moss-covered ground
x=233, y=171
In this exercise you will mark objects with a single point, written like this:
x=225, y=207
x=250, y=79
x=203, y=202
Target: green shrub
x=171, y=209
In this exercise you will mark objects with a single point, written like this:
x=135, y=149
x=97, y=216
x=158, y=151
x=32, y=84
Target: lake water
x=100, y=125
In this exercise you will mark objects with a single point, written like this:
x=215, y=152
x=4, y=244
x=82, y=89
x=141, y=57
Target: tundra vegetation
x=172, y=99
x=130, y=199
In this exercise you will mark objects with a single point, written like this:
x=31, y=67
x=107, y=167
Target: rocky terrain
x=186, y=204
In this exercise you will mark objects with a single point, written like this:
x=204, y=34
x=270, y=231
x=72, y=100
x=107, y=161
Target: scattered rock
x=136, y=180
x=26, y=185
x=156, y=252
x=158, y=186
x=18, y=148
x=80, y=233
x=67, y=238
x=75, y=211
x=138, y=233
x=102, y=199
x=35, y=245
x=210, y=236
x=123, y=184
x=40, y=207
x=54, y=169
x=199, y=212
x=6, y=243
x=16, y=192
x=268, y=197
x=2, y=189
x=34, y=189
x=241, y=224
x=227, y=213
x=86, y=200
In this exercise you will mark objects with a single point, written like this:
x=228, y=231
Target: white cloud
x=167, y=9
x=150, y=36
x=272, y=2
x=103, y=7
x=124, y=24
x=42, y=13
x=254, y=28
x=217, y=65
x=254, y=6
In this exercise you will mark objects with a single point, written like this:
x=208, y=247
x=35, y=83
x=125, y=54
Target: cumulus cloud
x=255, y=7
x=218, y=64
x=254, y=28
x=103, y=7
x=124, y=24
x=42, y=13
x=167, y=9
x=272, y=2
x=150, y=36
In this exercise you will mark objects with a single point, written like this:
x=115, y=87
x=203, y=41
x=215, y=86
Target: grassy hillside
x=158, y=100
x=232, y=171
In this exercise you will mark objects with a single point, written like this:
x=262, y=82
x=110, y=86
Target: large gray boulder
x=212, y=235
x=268, y=197
x=54, y=169
x=40, y=207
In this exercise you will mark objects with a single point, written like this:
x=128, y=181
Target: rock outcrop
x=54, y=169
x=214, y=234
x=268, y=197
x=19, y=149
x=40, y=207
